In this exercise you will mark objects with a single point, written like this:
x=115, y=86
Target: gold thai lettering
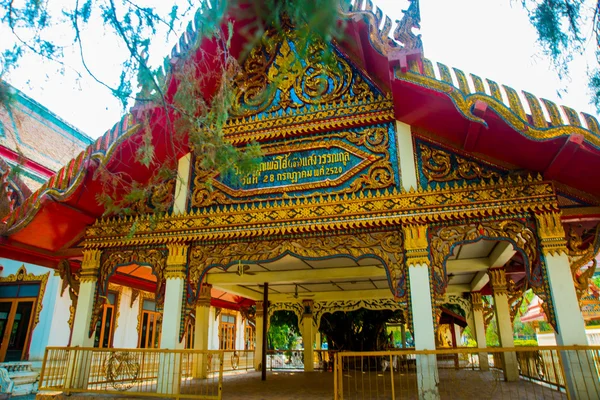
x=290, y=169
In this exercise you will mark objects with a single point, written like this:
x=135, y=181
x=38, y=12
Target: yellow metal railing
x=140, y=372
x=565, y=372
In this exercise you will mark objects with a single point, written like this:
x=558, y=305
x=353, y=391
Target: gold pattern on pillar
x=582, y=259
x=476, y=302
x=260, y=311
x=416, y=250
x=551, y=233
x=90, y=265
x=498, y=281
x=204, y=295
x=176, y=269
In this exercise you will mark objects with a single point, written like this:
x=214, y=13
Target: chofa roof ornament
x=379, y=33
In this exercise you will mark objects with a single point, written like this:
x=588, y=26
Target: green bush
x=526, y=343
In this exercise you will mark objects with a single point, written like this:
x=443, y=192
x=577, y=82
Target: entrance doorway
x=15, y=328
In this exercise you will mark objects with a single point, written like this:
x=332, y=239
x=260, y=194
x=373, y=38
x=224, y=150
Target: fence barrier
x=567, y=372
x=141, y=372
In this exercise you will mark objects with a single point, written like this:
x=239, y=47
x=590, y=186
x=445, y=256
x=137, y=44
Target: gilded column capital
x=176, y=261
x=204, y=295
x=498, y=280
x=416, y=244
x=260, y=312
x=551, y=233
x=90, y=265
x=476, y=301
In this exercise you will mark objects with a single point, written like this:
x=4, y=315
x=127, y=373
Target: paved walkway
x=454, y=385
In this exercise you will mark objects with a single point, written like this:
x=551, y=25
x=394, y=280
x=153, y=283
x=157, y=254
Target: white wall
x=126, y=334
x=213, y=330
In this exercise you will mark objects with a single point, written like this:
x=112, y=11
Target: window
x=249, y=338
x=227, y=332
x=190, y=328
x=106, y=324
x=150, y=326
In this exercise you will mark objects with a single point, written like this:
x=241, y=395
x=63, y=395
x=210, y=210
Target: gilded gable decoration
x=281, y=90
x=441, y=166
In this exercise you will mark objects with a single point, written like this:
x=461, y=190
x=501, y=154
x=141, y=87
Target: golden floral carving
x=90, y=265
x=176, y=261
x=23, y=276
x=437, y=166
x=323, y=307
x=69, y=279
x=580, y=257
x=330, y=213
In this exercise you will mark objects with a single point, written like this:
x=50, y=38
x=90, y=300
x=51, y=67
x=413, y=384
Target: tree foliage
x=192, y=117
x=561, y=29
x=283, y=331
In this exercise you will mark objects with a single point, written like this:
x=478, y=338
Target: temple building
x=387, y=182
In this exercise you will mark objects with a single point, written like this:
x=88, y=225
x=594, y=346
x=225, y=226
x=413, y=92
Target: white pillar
x=406, y=156
x=479, y=330
x=259, y=336
x=307, y=336
x=80, y=363
x=86, y=299
x=505, y=326
x=201, y=331
x=580, y=370
x=579, y=366
x=170, y=363
x=415, y=239
x=403, y=335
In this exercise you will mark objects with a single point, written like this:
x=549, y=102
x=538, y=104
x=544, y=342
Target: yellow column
x=307, y=336
x=505, y=327
x=580, y=370
x=259, y=335
x=479, y=325
x=417, y=260
x=80, y=362
x=170, y=363
x=201, y=330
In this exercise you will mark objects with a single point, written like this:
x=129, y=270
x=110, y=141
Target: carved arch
x=521, y=233
x=155, y=258
x=323, y=307
x=294, y=306
x=384, y=246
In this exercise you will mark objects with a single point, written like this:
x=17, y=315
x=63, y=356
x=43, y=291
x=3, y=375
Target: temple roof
x=465, y=113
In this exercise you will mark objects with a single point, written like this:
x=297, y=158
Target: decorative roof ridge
x=541, y=122
x=380, y=26
x=67, y=179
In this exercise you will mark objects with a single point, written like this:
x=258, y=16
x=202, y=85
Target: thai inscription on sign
x=308, y=167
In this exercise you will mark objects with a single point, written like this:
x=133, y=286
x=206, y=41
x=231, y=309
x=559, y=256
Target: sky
x=491, y=38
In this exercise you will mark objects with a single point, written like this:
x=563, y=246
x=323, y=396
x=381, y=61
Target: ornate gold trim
x=416, y=245
x=22, y=276
x=551, y=232
x=498, y=281
x=328, y=213
x=476, y=302
x=386, y=246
